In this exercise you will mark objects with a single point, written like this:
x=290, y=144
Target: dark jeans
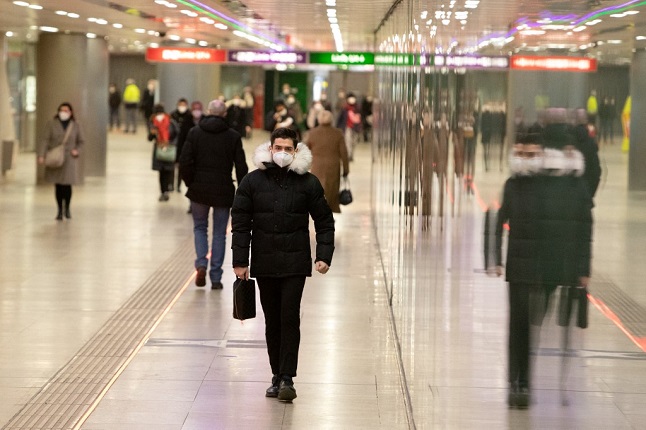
x=63, y=196
x=521, y=307
x=281, y=303
x=165, y=180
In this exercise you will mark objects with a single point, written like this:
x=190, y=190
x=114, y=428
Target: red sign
x=185, y=55
x=555, y=64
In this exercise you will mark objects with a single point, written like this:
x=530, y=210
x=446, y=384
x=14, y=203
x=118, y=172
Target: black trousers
x=63, y=196
x=165, y=180
x=520, y=309
x=281, y=302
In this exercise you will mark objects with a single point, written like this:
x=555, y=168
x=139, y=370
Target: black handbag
x=345, y=195
x=244, y=299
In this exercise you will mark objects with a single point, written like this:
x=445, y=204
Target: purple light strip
x=243, y=26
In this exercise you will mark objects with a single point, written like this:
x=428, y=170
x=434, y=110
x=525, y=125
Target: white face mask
x=517, y=166
x=182, y=109
x=282, y=159
x=534, y=165
x=159, y=116
x=64, y=116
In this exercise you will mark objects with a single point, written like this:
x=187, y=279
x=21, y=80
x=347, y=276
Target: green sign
x=342, y=58
x=401, y=60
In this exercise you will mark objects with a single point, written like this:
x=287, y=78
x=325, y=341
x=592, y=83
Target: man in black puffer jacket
x=270, y=215
x=210, y=152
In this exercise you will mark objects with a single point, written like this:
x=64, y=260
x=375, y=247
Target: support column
x=75, y=69
x=199, y=82
x=7, y=129
x=637, y=155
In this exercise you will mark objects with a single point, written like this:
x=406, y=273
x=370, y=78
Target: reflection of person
x=211, y=151
x=329, y=154
x=520, y=210
x=163, y=131
x=63, y=130
x=114, y=101
x=270, y=215
x=131, y=99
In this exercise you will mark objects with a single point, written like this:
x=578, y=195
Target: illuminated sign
x=471, y=62
x=400, y=59
x=267, y=57
x=565, y=64
x=185, y=55
x=342, y=58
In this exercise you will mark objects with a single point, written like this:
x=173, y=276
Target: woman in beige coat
x=67, y=175
x=329, y=153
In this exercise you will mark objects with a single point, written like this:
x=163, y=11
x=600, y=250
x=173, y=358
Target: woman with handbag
x=59, y=153
x=163, y=130
x=329, y=155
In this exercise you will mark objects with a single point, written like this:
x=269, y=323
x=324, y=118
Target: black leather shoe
x=216, y=286
x=286, y=390
x=273, y=390
x=59, y=217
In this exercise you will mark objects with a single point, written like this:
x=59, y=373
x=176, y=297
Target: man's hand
x=321, y=267
x=241, y=272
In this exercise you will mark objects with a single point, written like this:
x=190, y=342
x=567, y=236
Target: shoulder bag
x=55, y=157
x=345, y=195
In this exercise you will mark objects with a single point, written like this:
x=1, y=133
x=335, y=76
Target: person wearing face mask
x=211, y=151
x=163, y=131
x=236, y=115
x=520, y=210
x=184, y=120
x=295, y=110
x=148, y=100
x=349, y=121
x=280, y=118
x=329, y=156
x=114, y=101
x=63, y=129
x=197, y=110
x=270, y=218
x=312, y=114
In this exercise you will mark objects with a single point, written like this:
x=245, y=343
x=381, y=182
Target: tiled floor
x=200, y=369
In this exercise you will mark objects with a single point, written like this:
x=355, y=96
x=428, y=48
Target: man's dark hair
x=284, y=133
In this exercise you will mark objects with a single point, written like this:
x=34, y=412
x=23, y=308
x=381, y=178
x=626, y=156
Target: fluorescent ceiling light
x=614, y=42
x=579, y=28
x=174, y=37
x=203, y=43
x=9, y=34
x=640, y=37
x=21, y=3
x=190, y=40
x=220, y=26
x=117, y=25
x=35, y=6
x=61, y=12
x=140, y=30
x=90, y=35
x=49, y=29
x=101, y=21
x=593, y=22
x=73, y=15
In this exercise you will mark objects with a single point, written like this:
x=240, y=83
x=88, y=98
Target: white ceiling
x=303, y=24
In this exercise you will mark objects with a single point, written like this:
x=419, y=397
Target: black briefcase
x=244, y=299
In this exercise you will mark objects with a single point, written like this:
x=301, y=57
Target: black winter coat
x=588, y=147
x=210, y=152
x=565, y=230
x=271, y=214
x=185, y=123
x=521, y=210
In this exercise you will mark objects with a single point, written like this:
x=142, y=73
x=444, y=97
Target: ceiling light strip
x=207, y=10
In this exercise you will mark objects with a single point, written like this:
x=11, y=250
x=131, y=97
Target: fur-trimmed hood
x=302, y=158
x=554, y=162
